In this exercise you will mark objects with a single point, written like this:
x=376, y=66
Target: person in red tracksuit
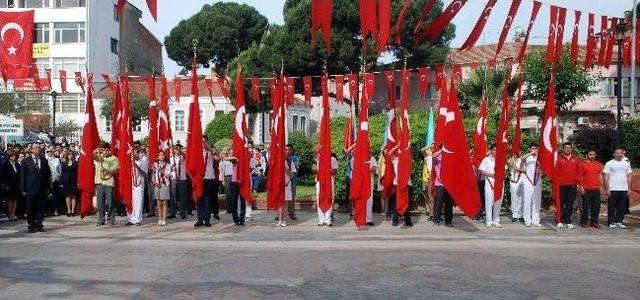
x=591, y=183
x=568, y=168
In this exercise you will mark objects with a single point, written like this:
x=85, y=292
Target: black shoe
x=128, y=224
x=448, y=225
x=40, y=229
x=370, y=224
x=151, y=215
x=513, y=220
x=216, y=217
x=100, y=224
x=138, y=224
x=430, y=218
x=241, y=223
x=171, y=217
x=436, y=223
x=276, y=219
x=294, y=218
x=408, y=223
x=198, y=224
x=32, y=230
x=330, y=225
x=521, y=220
x=395, y=222
x=207, y=224
x=184, y=217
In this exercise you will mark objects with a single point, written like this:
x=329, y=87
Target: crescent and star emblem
x=456, y=5
x=546, y=138
x=239, y=120
x=12, y=26
x=480, y=125
x=449, y=116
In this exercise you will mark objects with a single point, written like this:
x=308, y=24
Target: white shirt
x=618, y=171
x=143, y=164
x=178, y=171
x=488, y=165
x=531, y=170
x=334, y=163
x=226, y=167
x=515, y=175
x=208, y=165
x=56, y=168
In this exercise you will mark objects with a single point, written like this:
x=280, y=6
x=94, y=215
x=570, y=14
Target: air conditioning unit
x=583, y=120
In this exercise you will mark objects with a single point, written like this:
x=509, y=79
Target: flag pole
x=633, y=59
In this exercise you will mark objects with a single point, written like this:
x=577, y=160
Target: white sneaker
x=569, y=226
x=283, y=224
x=537, y=225
x=621, y=226
x=527, y=224
x=496, y=224
x=159, y=223
x=164, y=223
x=613, y=225
x=488, y=225
x=560, y=225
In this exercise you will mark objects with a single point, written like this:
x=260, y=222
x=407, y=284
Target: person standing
x=516, y=185
x=210, y=183
x=35, y=179
x=568, y=168
x=204, y=203
x=442, y=197
x=238, y=204
x=531, y=188
x=161, y=177
x=140, y=167
x=291, y=205
x=427, y=156
x=179, y=176
x=106, y=168
x=617, y=174
x=257, y=165
x=11, y=183
x=492, y=207
x=590, y=183
x=55, y=167
x=226, y=168
x=69, y=182
x=373, y=168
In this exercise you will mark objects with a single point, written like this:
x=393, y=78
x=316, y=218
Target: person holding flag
x=427, y=154
x=568, y=171
x=161, y=178
x=492, y=207
x=140, y=169
x=516, y=186
x=106, y=167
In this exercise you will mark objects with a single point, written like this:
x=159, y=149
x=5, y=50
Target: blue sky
x=170, y=12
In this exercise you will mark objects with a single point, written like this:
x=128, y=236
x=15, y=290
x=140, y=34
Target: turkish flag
x=224, y=86
x=575, y=37
x=194, y=159
x=339, y=88
x=275, y=180
x=423, y=74
x=63, y=81
x=289, y=93
x=397, y=27
x=513, y=10
x=548, y=153
x=391, y=135
x=384, y=24
x=404, y=149
x=626, y=51
x=532, y=20
x=321, y=18
x=48, y=73
x=16, y=40
x=502, y=143
x=368, y=20
x=610, y=43
x=325, y=193
x=177, y=88
x=36, y=79
x=89, y=143
x=435, y=29
x=79, y=81
x=116, y=115
x=125, y=139
x=517, y=136
x=154, y=142
x=423, y=17
x=479, y=27
x=107, y=80
x=441, y=80
x=457, y=173
x=308, y=88
x=604, y=39
x=591, y=43
x=348, y=139
x=551, y=40
x=255, y=89
x=360, y=193
x=480, y=136
x=164, y=129
x=562, y=17
x=208, y=83
x=240, y=143
x=354, y=88
x=153, y=8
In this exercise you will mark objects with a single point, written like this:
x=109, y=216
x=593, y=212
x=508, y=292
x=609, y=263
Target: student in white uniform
x=373, y=166
x=617, y=178
x=161, y=178
x=289, y=169
x=324, y=219
x=140, y=168
x=516, y=187
x=532, y=188
x=492, y=208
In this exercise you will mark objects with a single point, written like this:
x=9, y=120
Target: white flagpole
x=632, y=108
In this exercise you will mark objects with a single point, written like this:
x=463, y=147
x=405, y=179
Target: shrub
x=304, y=146
x=631, y=139
x=602, y=139
x=221, y=127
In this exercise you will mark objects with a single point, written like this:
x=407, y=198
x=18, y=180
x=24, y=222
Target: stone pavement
x=75, y=259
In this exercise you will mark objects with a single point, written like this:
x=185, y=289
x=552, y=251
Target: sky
x=171, y=12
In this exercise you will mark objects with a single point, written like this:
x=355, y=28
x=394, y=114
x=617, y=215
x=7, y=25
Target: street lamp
x=620, y=29
x=54, y=97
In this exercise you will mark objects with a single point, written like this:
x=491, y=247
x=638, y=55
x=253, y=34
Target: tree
x=220, y=128
x=223, y=30
x=573, y=82
x=481, y=80
x=139, y=107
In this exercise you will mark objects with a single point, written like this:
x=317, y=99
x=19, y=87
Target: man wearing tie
x=35, y=179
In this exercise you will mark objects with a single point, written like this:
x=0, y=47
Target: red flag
x=354, y=88
x=441, y=80
x=548, y=153
x=125, y=138
x=277, y=162
x=339, y=88
x=397, y=28
x=404, y=149
x=255, y=89
x=89, y=143
x=479, y=27
x=120, y=7
x=480, y=136
x=325, y=194
x=626, y=51
x=457, y=71
x=435, y=29
x=423, y=17
x=456, y=171
x=177, y=88
x=307, y=81
x=517, y=136
x=15, y=42
x=348, y=139
x=360, y=193
x=532, y=20
x=321, y=18
x=63, y=81
x=79, y=81
x=574, y=39
x=208, y=83
x=154, y=143
x=610, y=43
x=638, y=42
x=153, y=8
x=424, y=82
x=194, y=158
x=368, y=20
x=164, y=129
x=224, y=86
x=562, y=16
x=240, y=143
x=48, y=72
x=289, y=94
x=591, y=43
x=502, y=143
x=384, y=23
x=513, y=10
x=107, y=80
x=551, y=41
x=36, y=79
x=441, y=86
x=604, y=39
x=116, y=115
x=392, y=134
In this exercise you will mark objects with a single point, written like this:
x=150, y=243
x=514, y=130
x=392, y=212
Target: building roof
x=483, y=53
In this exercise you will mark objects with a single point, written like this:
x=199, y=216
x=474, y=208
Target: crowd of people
x=39, y=180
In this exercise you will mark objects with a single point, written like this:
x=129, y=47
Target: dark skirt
x=70, y=190
x=13, y=193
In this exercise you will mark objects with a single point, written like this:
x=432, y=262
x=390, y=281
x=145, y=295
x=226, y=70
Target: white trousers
x=248, y=210
x=532, y=197
x=370, y=204
x=137, y=201
x=516, y=199
x=491, y=208
x=324, y=217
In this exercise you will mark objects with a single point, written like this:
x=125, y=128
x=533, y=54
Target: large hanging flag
x=479, y=27
x=548, y=153
x=164, y=127
x=480, y=136
x=360, y=193
x=154, y=142
x=116, y=116
x=575, y=37
x=391, y=135
x=307, y=81
x=348, y=139
x=194, y=159
x=562, y=17
x=502, y=143
x=591, y=43
x=553, y=31
x=88, y=145
x=435, y=29
x=276, y=179
x=354, y=88
x=517, y=136
x=177, y=89
x=339, y=79
x=368, y=20
x=513, y=10
x=63, y=81
x=240, y=143
x=384, y=24
x=125, y=141
x=325, y=194
x=457, y=173
x=532, y=20
x=16, y=40
x=610, y=43
x=423, y=17
x=604, y=39
x=423, y=74
x=397, y=27
x=255, y=90
x=321, y=18
x=404, y=149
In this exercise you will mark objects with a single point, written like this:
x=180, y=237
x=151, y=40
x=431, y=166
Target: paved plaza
x=76, y=259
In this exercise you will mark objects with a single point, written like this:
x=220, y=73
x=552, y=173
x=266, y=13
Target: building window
x=179, y=120
x=116, y=17
x=42, y=64
x=295, y=123
x=69, y=64
x=68, y=32
x=41, y=33
x=69, y=103
x=137, y=126
x=7, y=4
x=607, y=87
x=107, y=124
x=34, y=3
x=114, y=46
x=70, y=3
x=303, y=124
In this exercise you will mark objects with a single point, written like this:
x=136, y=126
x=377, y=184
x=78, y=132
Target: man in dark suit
x=35, y=180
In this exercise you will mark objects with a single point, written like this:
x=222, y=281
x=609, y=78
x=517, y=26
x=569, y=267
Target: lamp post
x=54, y=97
x=620, y=29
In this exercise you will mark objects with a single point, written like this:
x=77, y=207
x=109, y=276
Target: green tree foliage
x=304, y=146
x=139, y=107
x=573, y=82
x=223, y=30
x=220, y=128
x=484, y=80
x=631, y=139
x=602, y=139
